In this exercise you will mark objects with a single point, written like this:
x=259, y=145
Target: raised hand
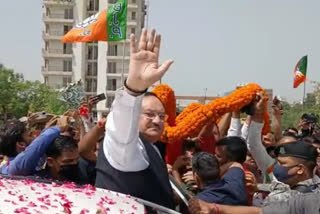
x=259, y=108
x=144, y=69
x=259, y=104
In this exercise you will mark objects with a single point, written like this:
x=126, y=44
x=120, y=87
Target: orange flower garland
x=196, y=116
x=166, y=95
x=186, y=111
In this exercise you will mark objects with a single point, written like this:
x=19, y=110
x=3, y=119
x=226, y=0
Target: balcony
x=131, y=23
x=57, y=53
x=52, y=35
x=55, y=71
x=111, y=92
x=57, y=18
x=132, y=6
x=64, y=3
x=117, y=72
x=114, y=58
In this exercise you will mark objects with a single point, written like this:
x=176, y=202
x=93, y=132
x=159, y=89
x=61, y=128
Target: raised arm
x=255, y=146
x=121, y=144
x=235, y=125
x=276, y=122
x=224, y=124
x=88, y=142
x=245, y=128
x=26, y=162
x=201, y=207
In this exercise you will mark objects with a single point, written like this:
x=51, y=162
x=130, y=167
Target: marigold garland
x=195, y=116
x=187, y=110
x=166, y=95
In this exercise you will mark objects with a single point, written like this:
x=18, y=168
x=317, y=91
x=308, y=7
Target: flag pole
x=123, y=59
x=304, y=92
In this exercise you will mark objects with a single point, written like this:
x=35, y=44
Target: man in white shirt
x=128, y=162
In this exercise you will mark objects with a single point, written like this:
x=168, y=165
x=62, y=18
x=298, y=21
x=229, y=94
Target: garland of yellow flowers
x=195, y=116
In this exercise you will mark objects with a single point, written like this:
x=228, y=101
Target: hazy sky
x=215, y=44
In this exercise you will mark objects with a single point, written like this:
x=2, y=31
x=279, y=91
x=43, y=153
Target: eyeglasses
x=153, y=115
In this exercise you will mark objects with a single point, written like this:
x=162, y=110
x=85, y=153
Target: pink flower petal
x=83, y=211
x=44, y=207
x=31, y=204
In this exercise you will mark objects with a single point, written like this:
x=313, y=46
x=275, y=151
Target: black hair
x=310, y=118
x=287, y=132
x=150, y=94
x=236, y=148
x=310, y=165
x=10, y=137
x=61, y=144
x=316, y=138
x=206, y=166
x=308, y=140
x=188, y=145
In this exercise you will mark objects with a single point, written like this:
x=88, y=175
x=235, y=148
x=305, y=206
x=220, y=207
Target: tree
x=293, y=112
x=9, y=84
x=18, y=97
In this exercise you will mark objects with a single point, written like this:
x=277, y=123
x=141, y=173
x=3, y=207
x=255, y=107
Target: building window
x=109, y=102
x=46, y=80
x=47, y=11
x=66, y=28
x=112, y=50
x=47, y=28
x=111, y=84
x=46, y=63
x=92, y=69
x=112, y=68
x=93, y=5
x=67, y=48
x=133, y=1
x=66, y=81
x=133, y=30
x=67, y=65
x=68, y=13
x=91, y=85
x=92, y=52
x=133, y=15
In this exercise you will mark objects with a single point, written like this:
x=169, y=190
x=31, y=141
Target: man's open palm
x=144, y=69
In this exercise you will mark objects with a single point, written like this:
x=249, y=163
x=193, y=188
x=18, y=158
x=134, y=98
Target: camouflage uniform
x=283, y=192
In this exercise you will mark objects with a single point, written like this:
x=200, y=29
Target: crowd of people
x=230, y=167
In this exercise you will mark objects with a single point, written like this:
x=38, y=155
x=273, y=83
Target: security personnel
x=294, y=172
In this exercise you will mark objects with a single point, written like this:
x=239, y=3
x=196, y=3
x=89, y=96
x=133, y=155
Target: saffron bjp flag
x=108, y=25
x=300, y=72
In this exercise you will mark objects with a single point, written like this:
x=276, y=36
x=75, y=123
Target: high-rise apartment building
x=101, y=66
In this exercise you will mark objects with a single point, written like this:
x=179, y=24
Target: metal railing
x=59, y=2
x=58, y=16
x=58, y=51
x=53, y=33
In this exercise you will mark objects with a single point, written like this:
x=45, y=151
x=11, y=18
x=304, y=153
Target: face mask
x=281, y=172
x=70, y=172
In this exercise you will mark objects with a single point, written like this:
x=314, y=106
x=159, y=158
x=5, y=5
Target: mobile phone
x=101, y=97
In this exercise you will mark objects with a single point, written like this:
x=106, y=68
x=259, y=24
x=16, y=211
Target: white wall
x=78, y=61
